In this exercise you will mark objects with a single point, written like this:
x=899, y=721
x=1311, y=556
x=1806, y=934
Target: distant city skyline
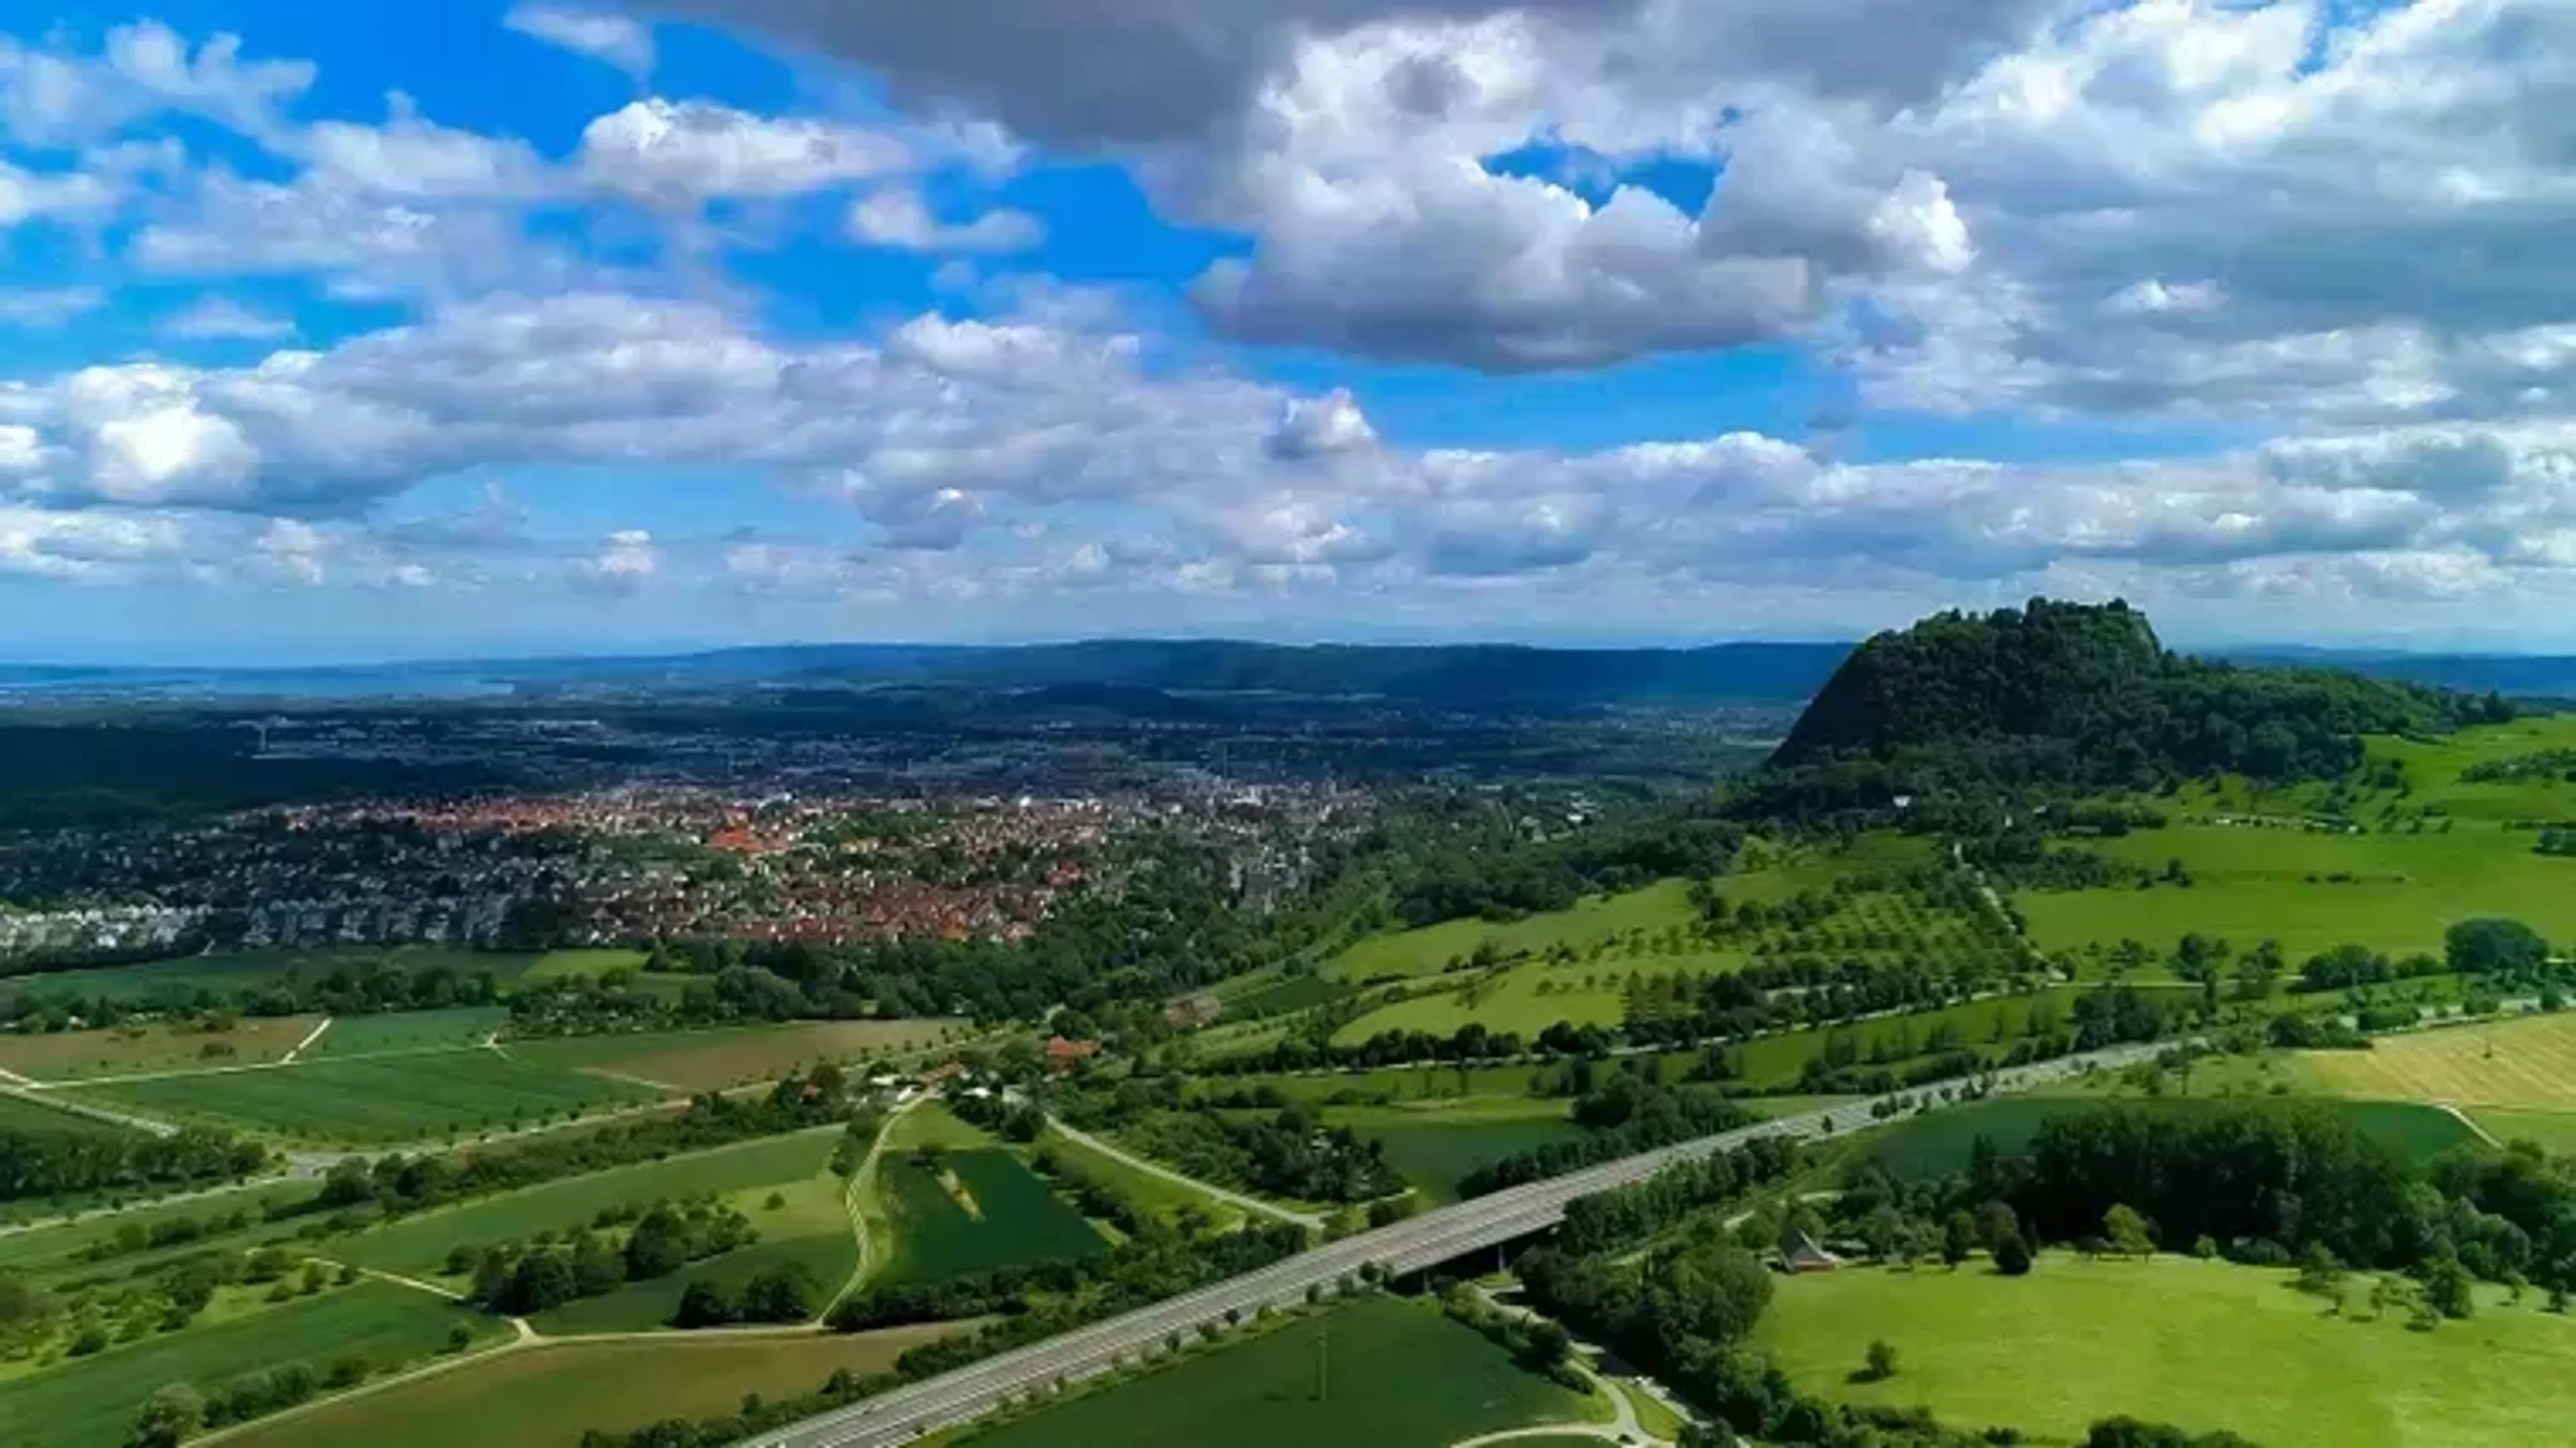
x=493, y=329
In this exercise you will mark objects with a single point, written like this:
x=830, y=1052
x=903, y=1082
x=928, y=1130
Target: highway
x=1424, y=1241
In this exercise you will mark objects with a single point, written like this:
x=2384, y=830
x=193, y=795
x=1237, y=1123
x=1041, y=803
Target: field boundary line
x=250, y=1066
x=2471, y=1122
x=605, y=1074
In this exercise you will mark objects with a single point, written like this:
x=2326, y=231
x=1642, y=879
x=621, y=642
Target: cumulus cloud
x=625, y=562
x=689, y=152
x=52, y=97
x=899, y=217
x=602, y=35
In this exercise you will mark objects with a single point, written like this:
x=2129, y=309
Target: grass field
x=2200, y=1344
x=547, y=1397
x=420, y=1244
x=91, y=1402
x=1013, y=1219
x=1400, y=1376
x=374, y=1101
x=2528, y=1063
x=75, y=1055
x=2252, y=884
x=1434, y=1148
x=1939, y=1143
x=709, y=1060
x=23, y=1113
x=563, y=964
x=408, y=1031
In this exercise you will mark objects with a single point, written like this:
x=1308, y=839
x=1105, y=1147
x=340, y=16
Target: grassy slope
x=369, y=1101
x=2204, y=1345
x=91, y=1403
x=547, y=1397
x=1399, y=1374
x=420, y=1244
x=1430, y=949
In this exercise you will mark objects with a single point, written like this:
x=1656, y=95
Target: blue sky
x=334, y=332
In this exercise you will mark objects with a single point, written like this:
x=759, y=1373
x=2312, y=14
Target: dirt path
x=1311, y=1221
x=863, y=1181
x=302, y=1046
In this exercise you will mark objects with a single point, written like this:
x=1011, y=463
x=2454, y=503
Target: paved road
x=1424, y=1241
x=1311, y=1221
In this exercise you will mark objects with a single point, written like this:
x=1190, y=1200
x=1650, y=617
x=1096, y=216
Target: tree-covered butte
x=2068, y=698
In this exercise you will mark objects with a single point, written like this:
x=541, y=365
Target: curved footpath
x=1420, y=1242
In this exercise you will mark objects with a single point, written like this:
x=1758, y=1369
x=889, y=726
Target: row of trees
x=1289, y=1153
x=519, y=1279
x=38, y=1162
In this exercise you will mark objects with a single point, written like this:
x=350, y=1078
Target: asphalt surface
x=1424, y=1241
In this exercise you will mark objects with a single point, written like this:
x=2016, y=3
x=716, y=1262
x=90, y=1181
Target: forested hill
x=2084, y=696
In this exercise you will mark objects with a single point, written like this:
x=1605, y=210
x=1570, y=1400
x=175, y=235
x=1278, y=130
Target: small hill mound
x=2069, y=697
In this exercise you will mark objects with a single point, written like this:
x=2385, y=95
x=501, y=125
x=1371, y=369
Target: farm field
x=547, y=1397
x=1153, y=1195
x=2551, y=1131
x=1435, y=1149
x=374, y=1100
x=420, y=1244
x=75, y=1055
x=232, y=970
x=1014, y=1218
x=2254, y=883
x=408, y=1031
x=1939, y=1143
x=1433, y=948
x=2528, y=1063
x=91, y=1402
x=563, y=964
x=1402, y=1376
x=710, y=1060
x=2203, y=1345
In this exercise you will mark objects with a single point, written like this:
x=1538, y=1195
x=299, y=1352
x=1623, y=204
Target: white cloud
x=898, y=217
x=42, y=195
x=59, y=98
x=690, y=152
x=600, y=34
x=625, y=562
x=82, y=545
x=220, y=319
x=46, y=308
x=414, y=159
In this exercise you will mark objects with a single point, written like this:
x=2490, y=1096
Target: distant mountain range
x=1470, y=677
